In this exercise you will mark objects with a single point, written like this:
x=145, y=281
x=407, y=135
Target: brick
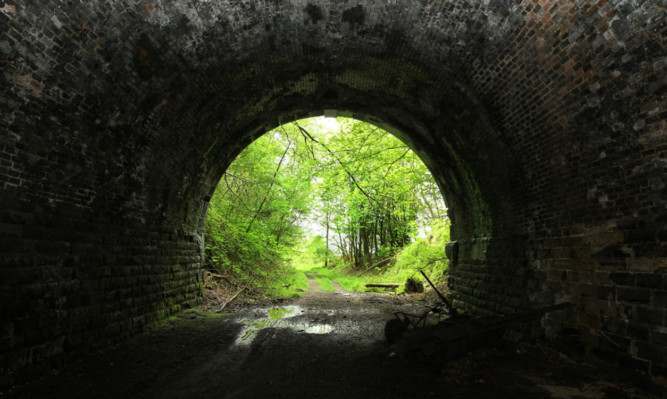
x=660, y=299
x=641, y=264
x=639, y=295
x=649, y=280
x=626, y=279
x=634, y=364
x=601, y=278
x=650, y=352
x=606, y=293
x=638, y=332
x=650, y=316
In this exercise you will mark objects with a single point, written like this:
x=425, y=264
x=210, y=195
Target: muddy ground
x=323, y=345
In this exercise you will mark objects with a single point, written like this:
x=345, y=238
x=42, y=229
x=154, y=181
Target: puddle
x=279, y=313
x=281, y=318
x=318, y=329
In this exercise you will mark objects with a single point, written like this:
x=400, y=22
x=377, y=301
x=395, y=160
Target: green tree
x=368, y=191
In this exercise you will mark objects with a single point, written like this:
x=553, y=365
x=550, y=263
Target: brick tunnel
x=542, y=122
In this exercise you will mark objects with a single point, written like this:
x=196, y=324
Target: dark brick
x=650, y=316
x=634, y=364
x=608, y=355
x=660, y=299
x=650, y=352
x=616, y=342
x=623, y=278
x=638, y=331
x=639, y=295
x=649, y=280
x=606, y=292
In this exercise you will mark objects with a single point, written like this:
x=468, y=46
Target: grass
x=348, y=277
x=425, y=254
x=323, y=282
x=348, y=281
x=292, y=285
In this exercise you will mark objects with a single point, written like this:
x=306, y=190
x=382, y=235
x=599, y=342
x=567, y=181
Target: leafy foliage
x=425, y=254
x=367, y=190
x=253, y=217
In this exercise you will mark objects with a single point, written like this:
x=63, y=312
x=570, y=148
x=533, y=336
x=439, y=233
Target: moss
x=399, y=77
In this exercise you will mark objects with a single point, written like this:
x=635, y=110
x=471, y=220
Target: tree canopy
x=365, y=192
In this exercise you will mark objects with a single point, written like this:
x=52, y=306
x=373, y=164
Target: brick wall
x=542, y=121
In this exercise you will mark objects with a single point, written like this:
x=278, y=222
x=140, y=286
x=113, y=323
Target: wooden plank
x=384, y=285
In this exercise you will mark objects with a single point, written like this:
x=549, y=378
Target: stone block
x=638, y=295
x=634, y=364
x=606, y=293
x=601, y=278
x=660, y=299
x=650, y=316
x=624, y=279
x=640, y=264
x=651, y=352
x=649, y=280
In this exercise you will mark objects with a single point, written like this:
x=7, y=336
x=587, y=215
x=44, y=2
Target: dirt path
x=323, y=345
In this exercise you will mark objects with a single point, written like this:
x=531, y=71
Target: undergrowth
x=425, y=254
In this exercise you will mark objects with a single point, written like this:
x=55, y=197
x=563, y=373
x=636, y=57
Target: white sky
x=328, y=123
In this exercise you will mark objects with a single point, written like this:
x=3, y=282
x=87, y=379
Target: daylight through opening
x=336, y=200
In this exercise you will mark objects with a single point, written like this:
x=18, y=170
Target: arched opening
x=481, y=218
x=348, y=186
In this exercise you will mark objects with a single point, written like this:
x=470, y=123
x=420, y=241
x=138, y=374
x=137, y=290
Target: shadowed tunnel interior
x=542, y=122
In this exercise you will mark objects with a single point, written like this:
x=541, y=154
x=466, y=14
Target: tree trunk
x=326, y=253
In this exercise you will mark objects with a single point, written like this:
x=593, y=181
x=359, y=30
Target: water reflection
x=280, y=318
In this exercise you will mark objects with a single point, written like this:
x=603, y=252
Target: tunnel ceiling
x=542, y=121
x=488, y=92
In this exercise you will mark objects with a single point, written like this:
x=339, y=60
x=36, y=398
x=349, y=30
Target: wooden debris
x=384, y=285
x=455, y=336
x=218, y=310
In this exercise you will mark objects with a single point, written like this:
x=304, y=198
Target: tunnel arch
x=544, y=122
x=472, y=217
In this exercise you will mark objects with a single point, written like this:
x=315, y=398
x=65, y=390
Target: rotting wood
x=384, y=285
x=218, y=310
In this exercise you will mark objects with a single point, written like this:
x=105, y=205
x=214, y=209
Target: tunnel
x=541, y=121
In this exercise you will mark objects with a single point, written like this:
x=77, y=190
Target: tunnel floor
x=323, y=345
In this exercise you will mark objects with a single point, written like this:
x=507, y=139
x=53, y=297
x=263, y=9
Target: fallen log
x=384, y=285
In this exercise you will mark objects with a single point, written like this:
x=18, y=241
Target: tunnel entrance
x=338, y=199
x=542, y=122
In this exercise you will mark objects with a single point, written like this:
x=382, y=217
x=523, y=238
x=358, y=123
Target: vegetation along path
x=326, y=344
